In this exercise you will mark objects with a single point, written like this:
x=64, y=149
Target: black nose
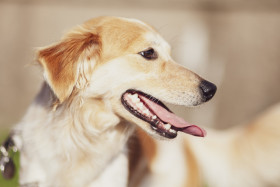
x=208, y=90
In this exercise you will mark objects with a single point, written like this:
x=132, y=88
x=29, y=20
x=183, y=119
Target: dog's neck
x=90, y=119
x=86, y=131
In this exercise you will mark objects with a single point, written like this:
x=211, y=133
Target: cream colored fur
x=243, y=156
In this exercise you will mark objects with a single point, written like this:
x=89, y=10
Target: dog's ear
x=60, y=61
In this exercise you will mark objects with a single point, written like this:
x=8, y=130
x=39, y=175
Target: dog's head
x=127, y=63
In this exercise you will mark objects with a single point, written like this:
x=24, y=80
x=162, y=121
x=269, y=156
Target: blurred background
x=233, y=43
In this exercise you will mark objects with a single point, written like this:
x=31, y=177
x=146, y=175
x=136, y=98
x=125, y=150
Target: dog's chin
x=154, y=117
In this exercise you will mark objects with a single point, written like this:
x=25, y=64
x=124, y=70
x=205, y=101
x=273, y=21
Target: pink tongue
x=174, y=120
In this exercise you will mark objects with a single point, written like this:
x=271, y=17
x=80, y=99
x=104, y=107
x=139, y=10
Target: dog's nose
x=208, y=90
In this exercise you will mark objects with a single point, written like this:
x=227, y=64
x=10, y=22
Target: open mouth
x=161, y=119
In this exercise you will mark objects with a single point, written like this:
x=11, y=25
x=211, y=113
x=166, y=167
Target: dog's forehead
x=151, y=35
x=125, y=35
x=122, y=31
x=157, y=41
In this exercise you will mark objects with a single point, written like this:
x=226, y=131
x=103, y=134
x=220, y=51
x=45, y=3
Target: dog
x=103, y=79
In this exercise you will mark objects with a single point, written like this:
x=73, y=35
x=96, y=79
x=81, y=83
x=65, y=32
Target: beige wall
x=234, y=44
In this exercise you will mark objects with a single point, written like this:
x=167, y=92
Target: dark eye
x=149, y=54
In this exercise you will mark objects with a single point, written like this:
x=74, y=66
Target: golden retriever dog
x=246, y=155
x=102, y=80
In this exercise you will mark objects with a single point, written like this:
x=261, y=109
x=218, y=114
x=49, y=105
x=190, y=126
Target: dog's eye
x=149, y=54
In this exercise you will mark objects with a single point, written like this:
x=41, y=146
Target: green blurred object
x=14, y=181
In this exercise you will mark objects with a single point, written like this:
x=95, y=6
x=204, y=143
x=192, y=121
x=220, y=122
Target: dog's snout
x=208, y=90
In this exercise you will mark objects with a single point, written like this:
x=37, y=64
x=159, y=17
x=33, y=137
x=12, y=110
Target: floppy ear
x=60, y=61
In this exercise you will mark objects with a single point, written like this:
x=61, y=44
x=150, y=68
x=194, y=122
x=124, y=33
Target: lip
x=156, y=124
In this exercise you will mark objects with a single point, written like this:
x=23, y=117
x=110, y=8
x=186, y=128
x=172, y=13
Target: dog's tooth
x=172, y=130
x=146, y=111
x=154, y=117
x=135, y=96
x=130, y=96
x=140, y=105
x=134, y=100
x=167, y=126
